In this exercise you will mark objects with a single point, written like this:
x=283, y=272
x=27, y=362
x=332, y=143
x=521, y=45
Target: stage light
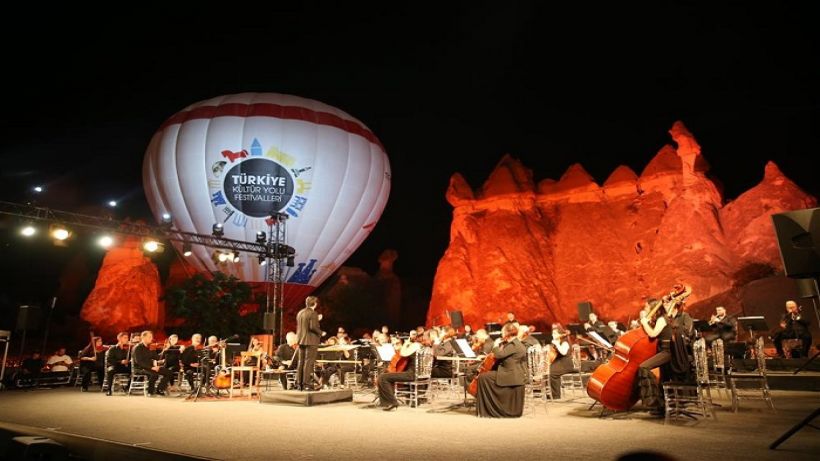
x=261, y=237
x=105, y=241
x=218, y=230
x=38, y=189
x=236, y=256
x=151, y=246
x=112, y=203
x=186, y=249
x=263, y=260
x=291, y=261
x=60, y=233
x=223, y=257
x=28, y=230
x=166, y=218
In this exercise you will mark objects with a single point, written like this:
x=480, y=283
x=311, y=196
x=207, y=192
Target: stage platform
x=306, y=399
x=247, y=430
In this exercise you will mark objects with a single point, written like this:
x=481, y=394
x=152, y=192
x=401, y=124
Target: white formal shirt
x=59, y=358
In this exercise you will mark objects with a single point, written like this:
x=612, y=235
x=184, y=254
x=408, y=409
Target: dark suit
x=512, y=358
x=113, y=364
x=501, y=392
x=443, y=368
x=143, y=360
x=286, y=353
x=308, y=333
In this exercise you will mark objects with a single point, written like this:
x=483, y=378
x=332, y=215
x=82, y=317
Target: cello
x=399, y=362
x=614, y=383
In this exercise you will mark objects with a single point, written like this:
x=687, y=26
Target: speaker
x=28, y=318
x=35, y=448
x=806, y=288
x=268, y=321
x=798, y=237
x=456, y=319
x=584, y=309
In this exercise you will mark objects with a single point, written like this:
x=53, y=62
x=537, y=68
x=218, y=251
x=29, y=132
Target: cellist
x=670, y=330
x=407, y=354
x=562, y=363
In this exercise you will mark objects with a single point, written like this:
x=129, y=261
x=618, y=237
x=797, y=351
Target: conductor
x=308, y=334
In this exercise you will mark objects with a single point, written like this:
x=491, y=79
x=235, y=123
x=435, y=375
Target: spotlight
x=60, y=233
x=222, y=257
x=261, y=237
x=166, y=218
x=236, y=256
x=28, y=230
x=38, y=189
x=112, y=203
x=151, y=246
x=218, y=230
x=105, y=241
x=291, y=261
x=263, y=260
x=186, y=249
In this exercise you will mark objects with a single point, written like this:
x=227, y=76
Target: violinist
x=145, y=361
x=562, y=363
x=92, y=360
x=170, y=355
x=526, y=338
x=672, y=328
x=501, y=391
x=468, y=333
x=443, y=347
x=482, y=342
x=793, y=325
x=116, y=360
x=189, y=358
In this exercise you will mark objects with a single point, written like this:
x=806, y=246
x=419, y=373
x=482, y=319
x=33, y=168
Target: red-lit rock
x=126, y=294
x=540, y=253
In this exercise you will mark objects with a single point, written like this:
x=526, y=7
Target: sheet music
x=599, y=338
x=386, y=352
x=465, y=348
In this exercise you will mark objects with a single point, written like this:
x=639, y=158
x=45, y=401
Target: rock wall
x=539, y=249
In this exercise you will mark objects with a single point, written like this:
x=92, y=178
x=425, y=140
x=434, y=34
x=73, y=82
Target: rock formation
x=541, y=249
x=126, y=294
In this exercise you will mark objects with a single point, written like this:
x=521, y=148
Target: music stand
x=577, y=329
x=752, y=324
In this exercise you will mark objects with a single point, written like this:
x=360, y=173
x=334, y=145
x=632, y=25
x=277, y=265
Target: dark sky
x=446, y=88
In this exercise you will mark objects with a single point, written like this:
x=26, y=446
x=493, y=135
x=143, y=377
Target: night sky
x=446, y=89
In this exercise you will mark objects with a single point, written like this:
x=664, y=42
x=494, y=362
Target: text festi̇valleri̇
x=250, y=187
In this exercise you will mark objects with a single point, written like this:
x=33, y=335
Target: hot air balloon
x=235, y=160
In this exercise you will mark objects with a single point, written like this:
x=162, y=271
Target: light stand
x=276, y=255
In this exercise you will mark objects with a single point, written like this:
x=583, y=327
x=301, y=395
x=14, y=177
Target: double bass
x=614, y=383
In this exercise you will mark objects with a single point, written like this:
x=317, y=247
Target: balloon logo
x=234, y=160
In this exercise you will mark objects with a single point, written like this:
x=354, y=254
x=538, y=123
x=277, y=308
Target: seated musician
x=116, y=360
x=721, y=326
x=483, y=342
x=511, y=319
x=285, y=357
x=672, y=329
x=189, y=358
x=59, y=362
x=597, y=325
x=562, y=363
x=92, y=360
x=468, y=333
x=443, y=347
x=338, y=369
x=144, y=360
x=613, y=325
x=407, y=352
x=501, y=391
x=526, y=338
x=30, y=370
x=793, y=325
x=170, y=356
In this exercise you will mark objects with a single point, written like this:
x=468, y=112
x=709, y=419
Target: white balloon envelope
x=237, y=159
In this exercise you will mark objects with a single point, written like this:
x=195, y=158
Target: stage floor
x=248, y=430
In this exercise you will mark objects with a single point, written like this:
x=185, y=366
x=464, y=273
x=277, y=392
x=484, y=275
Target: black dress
x=501, y=391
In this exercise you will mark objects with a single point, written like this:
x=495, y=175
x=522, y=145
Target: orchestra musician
x=597, y=325
x=338, y=369
x=116, y=360
x=526, y=339
x=793, y=325
x=613, y=325
x=286, y=357
x=501, y=391
x=407, y=350
x=92, y=360
x=562, y=364
x=308, y=333
x=443, y=347
x=170, y=356
x=189, y=358
x=482, y=342
x=672, y=329
x=468, y=333
x=721, y=326
x=59, y=362
x=144, y=361
x=510, y=319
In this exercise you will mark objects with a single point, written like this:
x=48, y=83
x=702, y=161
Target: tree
x=211, y=306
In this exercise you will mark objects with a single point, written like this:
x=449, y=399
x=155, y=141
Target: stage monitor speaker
x=806, y=288
x=584, y=309
x=28, y=318
x=35, y=448
x=798, y=237
x=456, y=319
x=268, y=322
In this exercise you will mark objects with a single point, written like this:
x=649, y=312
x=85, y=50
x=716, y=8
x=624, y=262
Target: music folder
x=465, y=348
x=600, y=339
